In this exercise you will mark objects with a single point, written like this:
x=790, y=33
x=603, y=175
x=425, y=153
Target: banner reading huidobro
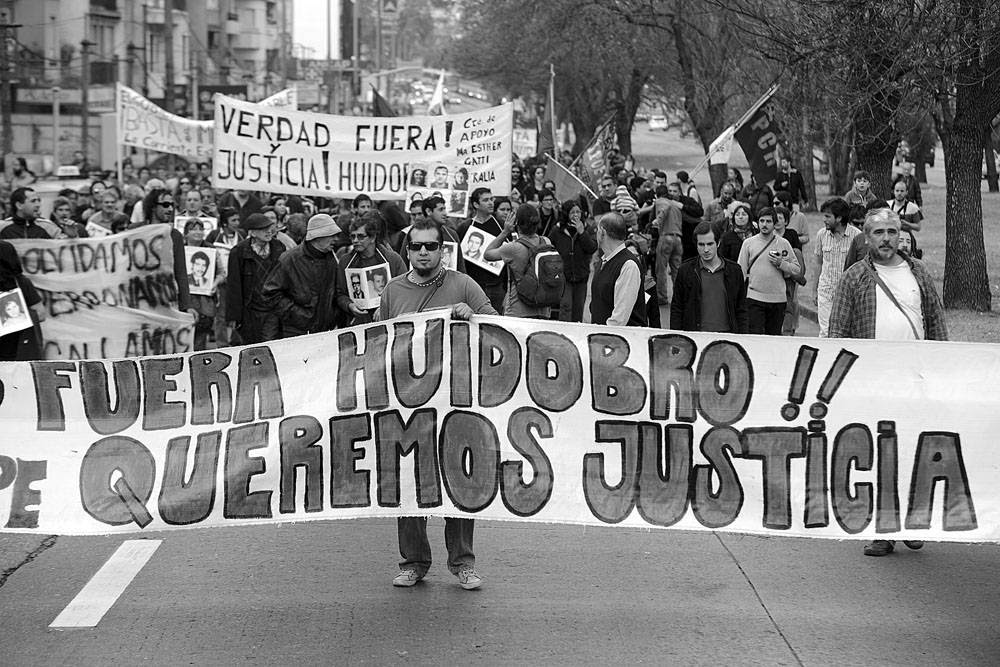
x=509, y=419
x=107, y=297
x=260, y=148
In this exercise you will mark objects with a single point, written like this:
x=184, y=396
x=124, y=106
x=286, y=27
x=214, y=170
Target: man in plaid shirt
x=890, y=296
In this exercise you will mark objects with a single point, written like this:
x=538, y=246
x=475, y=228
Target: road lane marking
x=106, y=586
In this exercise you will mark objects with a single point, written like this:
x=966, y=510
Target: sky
x=309, y=24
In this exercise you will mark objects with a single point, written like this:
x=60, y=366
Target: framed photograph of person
x=439, y=178
x=460, y=180
x=473, y=244
x=207, y=224
x=96, y=231
x=14, y=314
x=416, y=195
x=449, y=255
x=200, y=264
x=418, y=176
x=458, y=203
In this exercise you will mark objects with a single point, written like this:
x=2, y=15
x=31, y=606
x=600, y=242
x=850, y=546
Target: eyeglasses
x=358, y=237
x=430, y=246
x=165, y=204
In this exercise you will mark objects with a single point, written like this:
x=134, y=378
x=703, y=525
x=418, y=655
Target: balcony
x=104, y=7
x=253, y=41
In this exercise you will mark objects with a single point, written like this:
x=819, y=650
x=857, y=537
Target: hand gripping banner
x=513, y=420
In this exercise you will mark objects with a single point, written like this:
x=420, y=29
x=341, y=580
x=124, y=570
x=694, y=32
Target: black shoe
x=880, y=548
x=914, y=544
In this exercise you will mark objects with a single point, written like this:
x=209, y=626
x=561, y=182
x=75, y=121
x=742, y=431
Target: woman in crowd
x=576, y=243
x=739, y=229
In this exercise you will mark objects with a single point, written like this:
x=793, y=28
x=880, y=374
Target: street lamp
x=56, y=94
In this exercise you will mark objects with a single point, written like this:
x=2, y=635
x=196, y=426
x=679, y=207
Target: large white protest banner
x=143, y=124
x=261, y=148
x=515, y=420
x=108, y=297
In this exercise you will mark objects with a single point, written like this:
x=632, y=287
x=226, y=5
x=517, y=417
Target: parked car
x=658, y=122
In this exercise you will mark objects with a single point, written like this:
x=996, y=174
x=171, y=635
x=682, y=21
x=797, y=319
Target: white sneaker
x=406, y=578
x=468, y=579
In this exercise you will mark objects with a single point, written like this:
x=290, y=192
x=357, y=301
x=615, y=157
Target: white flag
x=437, y=98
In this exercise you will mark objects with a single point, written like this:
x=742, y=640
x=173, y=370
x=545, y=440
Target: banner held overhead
x=262, y=148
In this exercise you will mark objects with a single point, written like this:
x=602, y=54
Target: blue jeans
x=416, y=550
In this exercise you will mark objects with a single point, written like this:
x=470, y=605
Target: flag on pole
x=594, y=158
x=547, y=130
x=437, y=98
x=568, y=186
x=758, y=134
x=380, y=105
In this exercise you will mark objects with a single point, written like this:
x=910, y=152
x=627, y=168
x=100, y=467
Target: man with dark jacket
x=710, y=293
x=303, y=286
x=25, y=205
x=495, y=286
x=250, y=263
x=790, y=180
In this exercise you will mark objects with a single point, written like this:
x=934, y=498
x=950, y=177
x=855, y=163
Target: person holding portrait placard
x=368, y=266
x=23, y=344
x=482, y=203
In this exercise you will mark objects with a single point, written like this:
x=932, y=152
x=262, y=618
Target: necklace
x=435, y=279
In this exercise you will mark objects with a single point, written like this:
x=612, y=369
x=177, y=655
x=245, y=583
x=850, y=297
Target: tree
x=602, y=62
x=965, y=77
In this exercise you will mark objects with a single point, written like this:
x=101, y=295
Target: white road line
x=106, y=586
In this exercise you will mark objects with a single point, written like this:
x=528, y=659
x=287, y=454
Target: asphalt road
x=321, y=593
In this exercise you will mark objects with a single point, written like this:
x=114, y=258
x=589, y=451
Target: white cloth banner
x=108, y=297
x=260, y=148
x=516, y=420
x=143, y=124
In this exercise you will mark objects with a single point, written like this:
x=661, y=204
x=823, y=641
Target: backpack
x=544, y=278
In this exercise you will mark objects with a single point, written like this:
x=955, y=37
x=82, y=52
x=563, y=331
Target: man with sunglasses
x=427, y=286
x=158, y=208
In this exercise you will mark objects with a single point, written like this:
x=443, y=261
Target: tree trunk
x=966, y=284
x=838, y=162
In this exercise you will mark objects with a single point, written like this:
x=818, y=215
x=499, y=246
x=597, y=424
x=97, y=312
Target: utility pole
x=7, y=145
x=56, y=99
x=84, y=97
x=282, y=68
x=168, y=55
x=168, y=66
x=130, y=65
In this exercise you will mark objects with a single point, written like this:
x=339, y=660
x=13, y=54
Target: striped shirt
x=833, y=248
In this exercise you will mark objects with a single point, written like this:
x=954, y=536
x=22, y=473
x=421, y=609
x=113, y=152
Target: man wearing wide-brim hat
x=303, y=286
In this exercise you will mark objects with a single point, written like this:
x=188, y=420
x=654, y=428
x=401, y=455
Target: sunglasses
x=165, y=204
x=430, y=246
